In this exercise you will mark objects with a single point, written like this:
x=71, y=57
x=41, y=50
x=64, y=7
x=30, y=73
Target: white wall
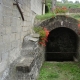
x=36, y=6
x=13, y=29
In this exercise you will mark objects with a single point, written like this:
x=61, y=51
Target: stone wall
x=74, y=10
x=26, y=66
x=61, y=21
x=13, y=29
x=65, y=22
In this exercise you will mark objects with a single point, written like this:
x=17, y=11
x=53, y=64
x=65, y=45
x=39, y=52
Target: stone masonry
x=13, y=29
x=28, y=64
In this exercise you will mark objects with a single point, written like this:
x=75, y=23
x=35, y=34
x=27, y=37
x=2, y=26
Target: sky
x=71, y=0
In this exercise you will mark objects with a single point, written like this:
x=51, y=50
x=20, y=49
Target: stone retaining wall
x=27, y=66
x=60, y=21
x=13, y=29
x=74, y=10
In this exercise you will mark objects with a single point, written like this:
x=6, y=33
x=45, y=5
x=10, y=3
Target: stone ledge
x=25, y=65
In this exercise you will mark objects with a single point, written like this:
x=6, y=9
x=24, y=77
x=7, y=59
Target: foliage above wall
x=45, y=16
x=61, y=9
x=43, y=32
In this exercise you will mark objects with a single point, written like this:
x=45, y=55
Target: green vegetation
x=76, y=16
x=52, y=14
x=60, y=71
x=69, y=5
x=40, y=31
x=45, y=16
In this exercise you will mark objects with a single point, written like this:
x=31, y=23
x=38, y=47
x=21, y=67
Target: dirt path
x=60, y=71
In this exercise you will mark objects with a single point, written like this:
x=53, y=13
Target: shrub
x=61, y=10
x=43, y=32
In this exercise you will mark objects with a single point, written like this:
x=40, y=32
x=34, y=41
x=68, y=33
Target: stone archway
x=62, y=45
x=60, y=21
x=68, y=26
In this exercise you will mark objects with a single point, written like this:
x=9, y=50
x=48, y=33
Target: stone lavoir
x=63, y=39
x=62, y=45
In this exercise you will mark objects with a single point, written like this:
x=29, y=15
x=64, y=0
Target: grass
x=60, y=71
x=50, y=15
x=45, y=16
x=76, y=16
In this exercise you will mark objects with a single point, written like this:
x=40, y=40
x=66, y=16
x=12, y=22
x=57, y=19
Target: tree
x=64, y=1
x=53, y=4
x=70, y=2
x=59, y=2
x=76, y=1
x=48, y=1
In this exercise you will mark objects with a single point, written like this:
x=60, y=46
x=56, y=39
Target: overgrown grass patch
x=76, y=16
x=45, y=16
x=60, y=71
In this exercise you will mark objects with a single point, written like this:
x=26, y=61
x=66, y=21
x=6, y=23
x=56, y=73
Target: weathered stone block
x=35, y=35
x=7, y=46
x=6, y=3
x=6, y=38
x=3, y=66
x=2, y=30
x=2, y=47
x=6, y=21
x=4, y=62
x=25, y=23
x=18, y=14
x=19, y=29
x=4, y=10
x=14, y=12
x=17, y=36
x=12, y=37
x=0, y=57
x=9, y=12
x=1, y=19
x=14, y=26
x=14, y=53
x=1, y=38
x=25, y=65
x=5, y=56
x=14, y=44
x=18, y=22
x=8, y=30
x=24, y=29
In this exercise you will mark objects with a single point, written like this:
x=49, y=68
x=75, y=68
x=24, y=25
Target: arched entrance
x=62, y=45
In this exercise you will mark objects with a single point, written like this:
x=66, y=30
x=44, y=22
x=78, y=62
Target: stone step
x=25, y=65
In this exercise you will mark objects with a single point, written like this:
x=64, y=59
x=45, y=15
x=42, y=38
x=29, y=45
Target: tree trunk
x=53, y=4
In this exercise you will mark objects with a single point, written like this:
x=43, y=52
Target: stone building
x=16, y=21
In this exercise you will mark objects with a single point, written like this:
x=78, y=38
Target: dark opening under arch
x=46, y=9
x=62, y=45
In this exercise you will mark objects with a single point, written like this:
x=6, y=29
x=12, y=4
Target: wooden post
x=43, y=6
